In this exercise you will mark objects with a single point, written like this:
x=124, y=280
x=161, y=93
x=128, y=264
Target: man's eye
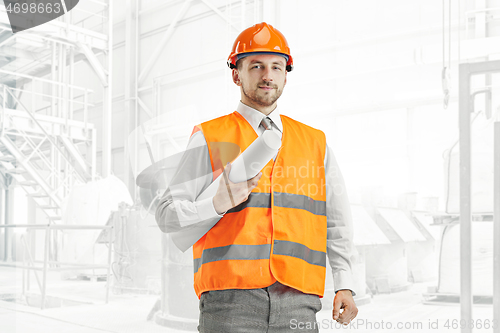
x=278, y=68
x=256, y=66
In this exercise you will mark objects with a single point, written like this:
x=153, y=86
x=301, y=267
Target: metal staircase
x=44, y=155
x=47, y=144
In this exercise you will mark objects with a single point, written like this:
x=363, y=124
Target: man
x=262, y=267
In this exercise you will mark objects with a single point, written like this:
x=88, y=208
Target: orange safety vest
x=279, y=233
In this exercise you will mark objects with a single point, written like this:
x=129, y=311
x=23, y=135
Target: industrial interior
x=93, y=102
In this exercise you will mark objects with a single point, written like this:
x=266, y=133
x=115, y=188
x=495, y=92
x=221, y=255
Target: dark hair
x=238, y=64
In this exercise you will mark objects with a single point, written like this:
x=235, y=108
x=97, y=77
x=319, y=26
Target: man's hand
x=343, y=300
x=231, y=194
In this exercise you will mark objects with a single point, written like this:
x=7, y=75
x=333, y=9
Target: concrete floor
x=128, y=312
x=405, y=312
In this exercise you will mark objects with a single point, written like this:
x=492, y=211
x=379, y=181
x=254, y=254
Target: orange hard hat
x=258, y=39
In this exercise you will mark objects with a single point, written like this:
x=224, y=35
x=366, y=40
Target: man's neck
x=266, y=110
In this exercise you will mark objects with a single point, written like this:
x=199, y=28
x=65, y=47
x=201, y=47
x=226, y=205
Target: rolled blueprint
x=246, y=166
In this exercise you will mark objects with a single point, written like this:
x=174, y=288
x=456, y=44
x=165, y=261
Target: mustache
x=268, y=84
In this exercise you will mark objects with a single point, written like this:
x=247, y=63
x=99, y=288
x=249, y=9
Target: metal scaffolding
x=47, y=143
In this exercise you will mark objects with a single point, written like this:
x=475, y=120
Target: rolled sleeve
x=206, y=209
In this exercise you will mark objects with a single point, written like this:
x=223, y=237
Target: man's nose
x=267, y=76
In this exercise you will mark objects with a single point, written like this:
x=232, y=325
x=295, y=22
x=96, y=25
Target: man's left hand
x=343, y=300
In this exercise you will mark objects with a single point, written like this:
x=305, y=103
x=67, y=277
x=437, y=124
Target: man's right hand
x=231, y=194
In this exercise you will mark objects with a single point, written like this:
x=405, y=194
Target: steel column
x=465, y=197
x=467, y=70
x=131, y=111
x=107, y=113
x=9, y=219
x=496, y=230
x=3, y=192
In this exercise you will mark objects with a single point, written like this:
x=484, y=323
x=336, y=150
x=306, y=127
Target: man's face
x=262, y=79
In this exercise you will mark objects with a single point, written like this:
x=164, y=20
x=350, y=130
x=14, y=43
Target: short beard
x=261, y=102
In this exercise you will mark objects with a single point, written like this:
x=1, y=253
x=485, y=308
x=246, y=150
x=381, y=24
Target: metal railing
x=30, y=264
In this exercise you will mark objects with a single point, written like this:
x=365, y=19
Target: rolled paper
x=246, y=166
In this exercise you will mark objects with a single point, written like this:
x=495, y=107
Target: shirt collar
x=254, y=117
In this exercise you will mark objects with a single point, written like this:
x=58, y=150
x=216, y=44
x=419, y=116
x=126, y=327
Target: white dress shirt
x=178, y=208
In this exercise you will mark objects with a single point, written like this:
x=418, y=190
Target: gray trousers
x=274, y=309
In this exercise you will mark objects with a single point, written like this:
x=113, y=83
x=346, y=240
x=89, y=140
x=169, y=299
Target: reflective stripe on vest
x=233, y=252
x=257, y=252
x=286, y=200
x=299, y=201
x=292, y=249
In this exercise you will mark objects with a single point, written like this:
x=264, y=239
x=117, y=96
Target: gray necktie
x=266, y=123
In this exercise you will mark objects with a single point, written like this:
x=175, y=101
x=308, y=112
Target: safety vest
x=279, y=233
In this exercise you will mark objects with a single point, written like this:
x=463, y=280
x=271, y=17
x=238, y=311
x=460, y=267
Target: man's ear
x=236, y=77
